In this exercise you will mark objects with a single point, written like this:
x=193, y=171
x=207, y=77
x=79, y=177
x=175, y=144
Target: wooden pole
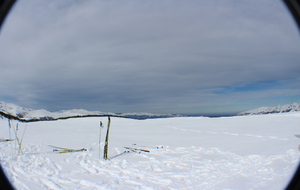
x=105, y=156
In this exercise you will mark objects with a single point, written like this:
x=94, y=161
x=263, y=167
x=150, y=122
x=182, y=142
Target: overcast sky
x=170, y=56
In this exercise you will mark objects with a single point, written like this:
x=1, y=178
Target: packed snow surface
x=242, y=152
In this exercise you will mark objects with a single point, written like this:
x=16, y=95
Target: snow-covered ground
x=242, y=152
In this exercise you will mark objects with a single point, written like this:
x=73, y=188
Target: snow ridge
x=278, y=109
x=13, y=109
x=26, y=114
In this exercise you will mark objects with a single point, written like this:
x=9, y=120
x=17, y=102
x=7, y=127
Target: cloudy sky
x=171, y=56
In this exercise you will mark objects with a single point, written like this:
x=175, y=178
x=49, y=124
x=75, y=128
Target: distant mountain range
x=16, y=112
x=13, y=111
x=278, y=109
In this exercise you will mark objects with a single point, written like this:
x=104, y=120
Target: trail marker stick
x=105, y=156
x=101, y=126
x=20, y=146
x=9, y=127
x=18, y=140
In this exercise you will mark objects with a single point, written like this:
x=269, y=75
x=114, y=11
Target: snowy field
x=243, y=152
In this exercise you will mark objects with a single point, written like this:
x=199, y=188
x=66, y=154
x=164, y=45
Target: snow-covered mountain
x=278, y=109
x=145, y=115
x=9, y=109
x=14, y=110
x=26, y=114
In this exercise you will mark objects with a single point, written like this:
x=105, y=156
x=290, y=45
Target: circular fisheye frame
x=5, y=7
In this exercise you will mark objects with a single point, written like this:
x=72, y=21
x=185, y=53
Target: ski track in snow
x=228, y=133
x=168, y=167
